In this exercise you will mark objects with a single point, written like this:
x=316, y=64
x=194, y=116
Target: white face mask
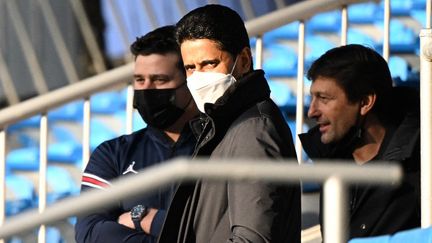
x=207, y=87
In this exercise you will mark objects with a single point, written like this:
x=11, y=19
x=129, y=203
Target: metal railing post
x=300, y=90
x=335, y=202
x=2, y=177
x=259, y=52
x=129, y=108
x=386, y=34
x=43, y=144
x=426, y=126
x=86, y=129
x=344, y=25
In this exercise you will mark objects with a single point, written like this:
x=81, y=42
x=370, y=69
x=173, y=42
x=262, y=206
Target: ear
x=244, y=61
x=367, y=103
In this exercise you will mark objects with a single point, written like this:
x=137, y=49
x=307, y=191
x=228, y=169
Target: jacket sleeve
x=261, y=211
x=102, y=226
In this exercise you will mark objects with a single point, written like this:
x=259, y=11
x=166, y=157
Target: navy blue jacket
x=122, y=156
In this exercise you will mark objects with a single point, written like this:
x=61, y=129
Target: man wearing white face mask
x=238, y=120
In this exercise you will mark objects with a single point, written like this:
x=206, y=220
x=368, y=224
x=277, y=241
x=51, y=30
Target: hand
x=125, y=219
x=146, y=222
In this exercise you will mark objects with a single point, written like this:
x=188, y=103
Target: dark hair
x=214, y=22
x=159, y=41
x=360, y=71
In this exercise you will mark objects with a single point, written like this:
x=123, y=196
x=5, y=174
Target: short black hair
x=159, y=41
x=217, y=23
x=360, y=71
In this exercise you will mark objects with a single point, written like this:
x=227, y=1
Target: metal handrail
x=336, y=176
x=107, y=80
x=299, y=11
x=426, y=125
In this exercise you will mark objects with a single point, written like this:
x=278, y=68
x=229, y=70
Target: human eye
x=160, y=79
x=138, y=79
x=211, y=63
x=323, y=98
x=189, y=68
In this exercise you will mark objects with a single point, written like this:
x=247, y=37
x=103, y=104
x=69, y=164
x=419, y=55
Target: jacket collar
x=313, y=146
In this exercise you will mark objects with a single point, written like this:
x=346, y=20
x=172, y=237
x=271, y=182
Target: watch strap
x=136, y=219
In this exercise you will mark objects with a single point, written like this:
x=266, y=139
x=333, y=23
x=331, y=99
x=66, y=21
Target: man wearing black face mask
x=165, y=104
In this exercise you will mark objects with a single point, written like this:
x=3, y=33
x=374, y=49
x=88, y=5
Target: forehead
x=157, y=64
x=325, y=85
x=201, y=49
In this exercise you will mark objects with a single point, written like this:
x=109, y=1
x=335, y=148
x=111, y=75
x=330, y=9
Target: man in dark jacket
x=239, y=120
x=166, y=105
x=361, y=117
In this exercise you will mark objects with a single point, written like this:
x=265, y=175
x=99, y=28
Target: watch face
x=137, y=211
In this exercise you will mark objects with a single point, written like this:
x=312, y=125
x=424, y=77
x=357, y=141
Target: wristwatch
x=137, y=214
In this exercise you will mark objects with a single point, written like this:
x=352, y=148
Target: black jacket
x=243, y=123
x=379, y=210
x=121, y=157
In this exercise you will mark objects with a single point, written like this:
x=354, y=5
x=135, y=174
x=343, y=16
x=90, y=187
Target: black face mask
x=157, y=106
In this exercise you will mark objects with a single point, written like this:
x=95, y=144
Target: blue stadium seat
x=53, y=235
x=138, y=122
x=70, y=112
x=60, y=184
x=59, y=179
x=20, y=194
x=362, y=13
x=315, y=47
x=281, y=62
x=376, y=239
x=108, y=102
x=357, y=37
x=417, y=235
x=397, y=7
x=32, y=122
x=419, y=4
x=412, y=81
x=65, y=152
x=287, y=32
x=402, y=38
x=399, y=67
x=25, y=139
x=419, y=16
x=100, y=132
x=62, y=133
x=26, y=159
x=282, y=95
x=325, y=22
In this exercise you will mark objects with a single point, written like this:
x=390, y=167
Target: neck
x=372, y=138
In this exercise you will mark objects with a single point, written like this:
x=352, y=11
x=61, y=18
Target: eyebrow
x=152, y=76
x=203, y=62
